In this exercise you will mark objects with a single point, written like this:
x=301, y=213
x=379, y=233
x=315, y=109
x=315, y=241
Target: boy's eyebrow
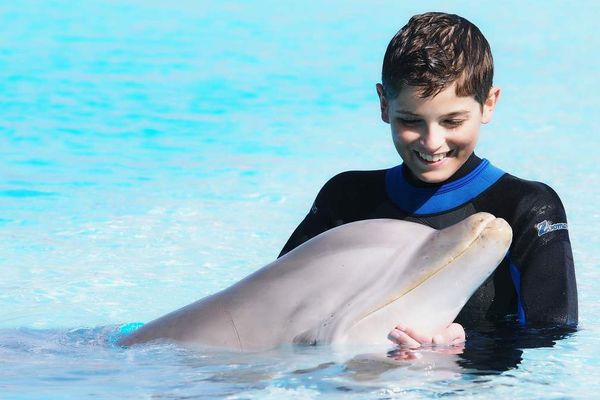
x=399, y=111
x=453, y=114
x=458, y=113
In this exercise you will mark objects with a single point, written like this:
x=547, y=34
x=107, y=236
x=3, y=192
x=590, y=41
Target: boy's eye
x=453, y=123
x=409, y=122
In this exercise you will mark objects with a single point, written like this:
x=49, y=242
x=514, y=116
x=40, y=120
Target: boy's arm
x=549, y=288
x=310, y=227
x=318, y=220
x=542, y=265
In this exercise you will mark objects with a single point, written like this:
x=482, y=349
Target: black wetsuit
x=535, y=284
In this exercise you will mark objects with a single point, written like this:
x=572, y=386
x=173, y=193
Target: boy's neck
x=469, y=165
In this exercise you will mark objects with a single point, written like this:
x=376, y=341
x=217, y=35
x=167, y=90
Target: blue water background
x=154, y=152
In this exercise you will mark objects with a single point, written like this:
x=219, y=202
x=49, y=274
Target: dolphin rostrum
x=351, y=284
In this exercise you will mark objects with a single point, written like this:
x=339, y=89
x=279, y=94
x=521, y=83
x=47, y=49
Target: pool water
x=155, y=152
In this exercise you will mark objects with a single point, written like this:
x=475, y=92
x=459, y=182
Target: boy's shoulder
x=523, y=203
x=356, y=179
x=524, y=190
x=534, y=211
x=353, y=189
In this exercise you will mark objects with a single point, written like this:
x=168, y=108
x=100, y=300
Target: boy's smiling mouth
x=433, y=158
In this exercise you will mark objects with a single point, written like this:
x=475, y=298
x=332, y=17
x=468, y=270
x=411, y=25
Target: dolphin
x=349, y=285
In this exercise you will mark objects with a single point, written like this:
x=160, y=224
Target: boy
x=436, y=91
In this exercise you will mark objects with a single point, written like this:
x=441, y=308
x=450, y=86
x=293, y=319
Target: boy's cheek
x=404, y=135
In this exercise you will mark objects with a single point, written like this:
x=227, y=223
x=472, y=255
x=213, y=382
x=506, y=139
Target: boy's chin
x=439, y=176
x=435, y=174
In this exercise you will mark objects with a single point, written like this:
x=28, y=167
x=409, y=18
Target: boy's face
x=435, y=135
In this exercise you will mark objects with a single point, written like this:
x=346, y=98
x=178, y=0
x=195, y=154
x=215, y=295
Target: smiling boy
x=436, y=91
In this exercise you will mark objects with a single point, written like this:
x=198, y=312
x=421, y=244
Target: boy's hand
x=407, y=337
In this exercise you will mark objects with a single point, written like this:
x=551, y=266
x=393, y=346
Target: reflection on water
x=500, y=348
x=91, y=357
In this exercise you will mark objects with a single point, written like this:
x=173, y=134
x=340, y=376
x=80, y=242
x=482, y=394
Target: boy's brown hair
x=432, y=51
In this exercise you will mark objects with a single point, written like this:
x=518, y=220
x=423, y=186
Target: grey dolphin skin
x=349, y=285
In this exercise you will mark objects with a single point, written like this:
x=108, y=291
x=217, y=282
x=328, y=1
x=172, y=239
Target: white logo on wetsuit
x=547, y=226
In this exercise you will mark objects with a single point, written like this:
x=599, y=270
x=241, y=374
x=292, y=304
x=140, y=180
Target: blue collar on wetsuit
x=421, y=201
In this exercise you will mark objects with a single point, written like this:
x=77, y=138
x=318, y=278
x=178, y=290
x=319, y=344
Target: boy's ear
x=490, y=104
x=383, y=103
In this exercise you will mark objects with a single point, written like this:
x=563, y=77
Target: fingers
x=416, y=335
x=399, y=337
x=459, y=336
x=453, y=335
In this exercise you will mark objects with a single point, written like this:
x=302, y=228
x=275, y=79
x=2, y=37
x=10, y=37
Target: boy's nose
x=432, y=138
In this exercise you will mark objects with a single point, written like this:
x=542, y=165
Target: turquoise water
x=154, y=152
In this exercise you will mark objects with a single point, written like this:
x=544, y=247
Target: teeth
x=433, y=158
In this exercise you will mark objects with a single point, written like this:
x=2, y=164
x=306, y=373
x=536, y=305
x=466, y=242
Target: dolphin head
x=428, y=290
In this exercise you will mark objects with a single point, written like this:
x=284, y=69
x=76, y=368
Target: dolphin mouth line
x=419, y=282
